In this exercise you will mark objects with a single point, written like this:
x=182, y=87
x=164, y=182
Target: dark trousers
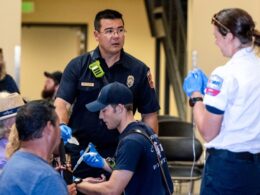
x=229, y=173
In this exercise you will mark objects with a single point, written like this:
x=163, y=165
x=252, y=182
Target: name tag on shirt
x=87, y=84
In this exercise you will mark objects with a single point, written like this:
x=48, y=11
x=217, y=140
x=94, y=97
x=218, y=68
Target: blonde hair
x=13, y=142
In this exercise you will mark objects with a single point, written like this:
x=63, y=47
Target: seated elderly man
x=9, y=104
x=28, y=170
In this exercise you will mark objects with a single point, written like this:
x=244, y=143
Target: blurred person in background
x=51, y=85
x=7, y=83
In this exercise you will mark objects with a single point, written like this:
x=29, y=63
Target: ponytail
x=256, y=35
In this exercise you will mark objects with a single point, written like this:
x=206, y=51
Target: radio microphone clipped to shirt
x=97, y=71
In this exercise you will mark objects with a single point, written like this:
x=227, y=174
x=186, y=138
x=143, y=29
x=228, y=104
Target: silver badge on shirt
x=130, y=81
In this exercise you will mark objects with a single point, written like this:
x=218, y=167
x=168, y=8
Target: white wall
x=45, y=49
x=10, y=21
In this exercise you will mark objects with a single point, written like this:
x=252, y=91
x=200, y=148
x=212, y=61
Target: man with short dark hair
x=140, y=165
x=83, y=79
x=28, y=170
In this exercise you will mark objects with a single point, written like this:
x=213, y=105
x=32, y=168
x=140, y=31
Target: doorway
x=47, y=47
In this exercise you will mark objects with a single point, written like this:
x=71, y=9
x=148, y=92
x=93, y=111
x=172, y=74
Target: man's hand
x=66, y=132
x=93, y=158
x=195, y=81
x=100, y=179
x=72, y=189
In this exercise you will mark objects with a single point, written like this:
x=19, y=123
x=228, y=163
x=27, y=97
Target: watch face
x=77, y=180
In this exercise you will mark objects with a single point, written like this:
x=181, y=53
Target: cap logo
x=130, y=81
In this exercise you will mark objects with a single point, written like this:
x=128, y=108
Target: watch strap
x=193, y=100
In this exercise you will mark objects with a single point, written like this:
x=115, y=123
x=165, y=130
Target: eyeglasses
x=215, y=21
x=112, y=31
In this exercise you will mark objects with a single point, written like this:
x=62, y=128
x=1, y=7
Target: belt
x=234, y=155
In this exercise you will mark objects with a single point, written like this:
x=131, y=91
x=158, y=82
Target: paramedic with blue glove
x=228, y=116
x=66, y=132
x=136, y=170
x=93, y=158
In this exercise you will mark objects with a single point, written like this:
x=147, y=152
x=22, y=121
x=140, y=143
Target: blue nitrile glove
x=66, y=132
x=195, y=81
x=204, y=80
x=93, y=158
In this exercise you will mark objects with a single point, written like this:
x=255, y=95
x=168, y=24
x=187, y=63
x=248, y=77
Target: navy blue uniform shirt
x=79, y=87
x=135, y=153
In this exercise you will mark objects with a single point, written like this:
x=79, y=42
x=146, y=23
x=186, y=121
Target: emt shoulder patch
x=150, y=79
x=214, y=85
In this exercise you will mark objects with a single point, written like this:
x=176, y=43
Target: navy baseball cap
x=56, y=76
x=113, y=93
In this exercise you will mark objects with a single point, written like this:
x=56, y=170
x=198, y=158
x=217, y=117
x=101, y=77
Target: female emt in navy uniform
x=83, y=79
x=229, y=116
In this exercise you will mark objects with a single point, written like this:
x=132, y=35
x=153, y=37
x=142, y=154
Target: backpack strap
x=138, y=131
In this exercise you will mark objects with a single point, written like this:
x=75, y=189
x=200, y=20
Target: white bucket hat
x=9, y=104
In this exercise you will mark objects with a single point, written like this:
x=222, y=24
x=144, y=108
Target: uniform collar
x=95, y=55
x=128, y=129
x=244, y=51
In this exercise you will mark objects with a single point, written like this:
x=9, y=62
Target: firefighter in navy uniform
x=81, y=84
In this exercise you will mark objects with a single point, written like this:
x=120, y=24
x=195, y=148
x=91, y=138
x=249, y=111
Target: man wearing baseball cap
x=135, y=169
x=51, y=84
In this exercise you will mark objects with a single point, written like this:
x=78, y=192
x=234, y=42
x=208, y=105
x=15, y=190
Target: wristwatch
x=77, y=180
x=193, y=100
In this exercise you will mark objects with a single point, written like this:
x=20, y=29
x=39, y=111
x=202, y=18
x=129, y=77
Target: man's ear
x=48, y=128
x=96, y=35
x=120, y=108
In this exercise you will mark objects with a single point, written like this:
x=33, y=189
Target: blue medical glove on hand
x=204, y=81
x=195, y=81
x=66, y=132
x=93, y=158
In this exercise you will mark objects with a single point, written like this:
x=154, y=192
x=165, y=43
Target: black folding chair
x=182, y=150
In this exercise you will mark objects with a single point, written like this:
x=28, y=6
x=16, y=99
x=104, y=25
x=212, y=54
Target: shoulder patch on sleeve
x=214, y=85
x=150, y=80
